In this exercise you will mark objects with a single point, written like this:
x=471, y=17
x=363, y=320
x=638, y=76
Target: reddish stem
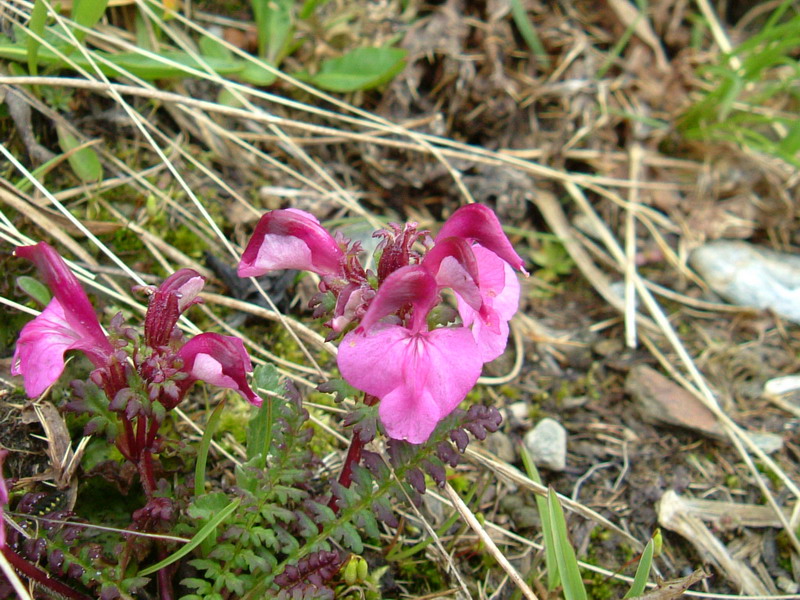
x=146, y=474
x=352, y=459
x=41, y=577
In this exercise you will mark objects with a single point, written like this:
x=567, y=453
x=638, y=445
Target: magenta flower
x=478, y=223
x=291, y=239
x=499, y=291
x=453, y=265
x=419, y=375
x=220, y=360
x=67, y=323
x=166, y=364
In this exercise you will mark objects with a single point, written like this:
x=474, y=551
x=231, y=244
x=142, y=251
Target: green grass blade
x=36, y=25
x=87, y=13
x=571, y=581
x=202, y=449
x=642, y=571
x=528, y=32
x=198, y=538
x=550, y=561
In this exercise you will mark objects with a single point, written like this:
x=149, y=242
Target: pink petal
x=408, y=285
x=186, y=283
x=419, y=377
x=291, y=239
x=220, y=360
x=500, y=293
x=453, y=265
x=478, y=223
x=39, y=354
x=77, y=309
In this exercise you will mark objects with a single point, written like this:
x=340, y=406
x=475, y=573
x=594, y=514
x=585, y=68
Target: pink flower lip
x=420, y=377
x=291, y=239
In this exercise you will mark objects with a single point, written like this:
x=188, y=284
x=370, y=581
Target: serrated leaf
x=83, y=159
x=206, y=506
x=360, y=69
x=196, y=540
x=223, y=552
x=34, y=288
x=366, y=521
x=348, y=536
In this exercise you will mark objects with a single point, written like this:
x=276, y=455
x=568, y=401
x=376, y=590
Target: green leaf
x=36, y=25
x=274, y=26
x=202, y=450
x=83, y=160
x=87, y=13
x=309, y=6
x=198, y=538
x=213, y=48
x=642, y=571
x=361, y=69
x=255, y=73
x=259, y=429
x=34, y=288
x=550, y=560
x=571, y=581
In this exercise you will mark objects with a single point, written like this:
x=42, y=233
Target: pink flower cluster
x=419, y=371
x=167, y=364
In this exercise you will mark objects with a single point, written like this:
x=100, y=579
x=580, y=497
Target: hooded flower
x=67, y=323
x=167, y=302
x=419, y=375
x=220, y=360
x=478, y=223
x=291, y=239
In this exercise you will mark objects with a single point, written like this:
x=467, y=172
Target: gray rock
x=547, y=443
x=767, y=442
x=751, y=276
x=499, y=444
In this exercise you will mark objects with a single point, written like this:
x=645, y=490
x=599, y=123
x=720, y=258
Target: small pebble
x=499, y=444
x=547, y=443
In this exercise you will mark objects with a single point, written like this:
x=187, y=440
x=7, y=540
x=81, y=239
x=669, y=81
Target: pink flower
x=419, y=375
x=452, y=264
x=291, y=239
x=167, y=302
x=478, y=223
x=220, y=360
x=499, y=291
x=67, y=323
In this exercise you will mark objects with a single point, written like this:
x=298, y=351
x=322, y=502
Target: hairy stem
x=41, y=577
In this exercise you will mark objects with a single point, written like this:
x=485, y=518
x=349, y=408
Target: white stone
x=547, y=444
